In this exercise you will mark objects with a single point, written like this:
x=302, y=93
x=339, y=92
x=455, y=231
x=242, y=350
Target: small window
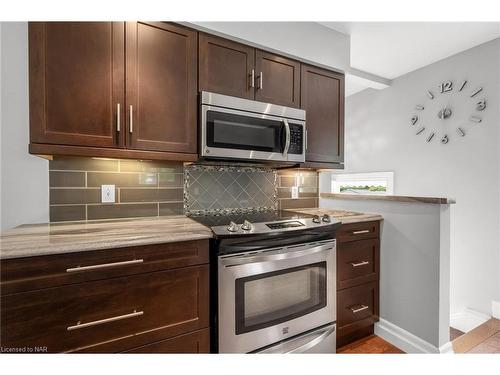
x=376, y=183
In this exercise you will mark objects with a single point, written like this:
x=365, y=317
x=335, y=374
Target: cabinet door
x=161, y=87
x=322, y=96
x=76, y=82
x=277, y=79
x=225, y=67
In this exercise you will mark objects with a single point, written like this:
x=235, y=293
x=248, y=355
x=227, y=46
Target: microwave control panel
x=296, y=139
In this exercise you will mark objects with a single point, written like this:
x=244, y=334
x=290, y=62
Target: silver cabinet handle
x=287, y=139
x=131, y=118
x=261, y=79
x=362, y=308
x=359, y=264
x=252, y=78
x=118, y=117
x=107, y=320
x=361, y=231
x=306, y=139
x=104, y=265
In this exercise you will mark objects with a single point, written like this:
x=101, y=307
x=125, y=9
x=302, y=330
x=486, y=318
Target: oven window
x=225, y=130
x=275, y=297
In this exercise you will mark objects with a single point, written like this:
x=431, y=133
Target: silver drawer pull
x=107, y=320
x=118, y=117
x=361, y=231
x=104, y=265
x=362, y=308
x=359, y=264
x=252, y=79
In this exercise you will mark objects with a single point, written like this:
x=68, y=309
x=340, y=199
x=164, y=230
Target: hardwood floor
x=369, y=345
x=455, y=333
x=482, y=339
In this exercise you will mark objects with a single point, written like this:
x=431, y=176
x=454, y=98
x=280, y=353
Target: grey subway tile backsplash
x=152, y=188
x=96, y=179
x=171, y=208
x=75, y=184
x=150, y=195
x=68, y=213
x=75, y=196
x=84, y=164
x=66, y=179
x=116, y=211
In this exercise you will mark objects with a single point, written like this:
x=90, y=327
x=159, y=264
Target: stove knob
x=247, y=225
x=233, y=227
x=326, y=218
x=316, y=219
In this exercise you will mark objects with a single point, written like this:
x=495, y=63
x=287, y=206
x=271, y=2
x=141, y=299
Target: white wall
x=24, y=177
x=379, y=138
x=414, y=268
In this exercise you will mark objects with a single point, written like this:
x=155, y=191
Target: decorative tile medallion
x=217, y=189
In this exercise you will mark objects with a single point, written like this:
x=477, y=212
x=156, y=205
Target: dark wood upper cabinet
x=225, y=67
x=322, y=96
x=161, y=81
x=76, y=82
x=277, y=79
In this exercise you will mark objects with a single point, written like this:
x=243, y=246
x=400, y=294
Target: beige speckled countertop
x=346, y=217
x=57, y=238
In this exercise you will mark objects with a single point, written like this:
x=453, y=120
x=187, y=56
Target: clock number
x=461, y=132
x=430, y=94
x=475, y=92
x=420, y=130
x=414, y=120
x=444, y=140
x=462, y=85
x=429, y=138
x=481, y=105
x=419, y=107
x=446, y=86
x=476, y=119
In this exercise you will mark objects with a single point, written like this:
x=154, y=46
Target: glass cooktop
x=253, y=217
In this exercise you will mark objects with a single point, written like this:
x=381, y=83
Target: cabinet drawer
x=73, y=317
x=357, y=262
x=359, y=231
x=193, y=342
x=24, y=274
x=357, y=306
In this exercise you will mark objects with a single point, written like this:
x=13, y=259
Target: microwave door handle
x=287, y=137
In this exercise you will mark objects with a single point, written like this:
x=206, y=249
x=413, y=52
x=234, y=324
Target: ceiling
x=391, y=49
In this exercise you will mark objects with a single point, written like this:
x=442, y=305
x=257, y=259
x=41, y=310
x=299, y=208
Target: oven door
x=229, y=133
x=272, y=295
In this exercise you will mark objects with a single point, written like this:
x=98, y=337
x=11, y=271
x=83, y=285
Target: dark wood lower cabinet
x=358, y=274
x=194, y=342
x=153, y=308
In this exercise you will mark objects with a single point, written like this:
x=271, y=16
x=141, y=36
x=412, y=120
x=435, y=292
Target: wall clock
x=450, y=110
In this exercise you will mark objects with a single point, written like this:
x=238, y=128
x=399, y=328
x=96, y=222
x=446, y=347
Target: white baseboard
x=495, y=309
x=407, y=341
x=467, y=319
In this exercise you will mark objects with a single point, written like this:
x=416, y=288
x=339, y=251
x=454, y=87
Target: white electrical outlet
x=108, y=193
x=295, y=192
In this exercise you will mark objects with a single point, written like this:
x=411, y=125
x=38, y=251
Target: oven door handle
x=277, y=255
x=287, y=137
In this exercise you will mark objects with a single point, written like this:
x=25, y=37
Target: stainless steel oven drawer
x=321, y=340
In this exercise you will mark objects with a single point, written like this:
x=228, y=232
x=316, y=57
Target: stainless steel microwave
x=235, y=128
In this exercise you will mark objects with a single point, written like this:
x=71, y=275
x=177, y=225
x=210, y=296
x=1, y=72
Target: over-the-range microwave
x=235, y=128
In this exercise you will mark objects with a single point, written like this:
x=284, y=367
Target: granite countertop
x=394, y=198
x=345, y=217
x=57, y=238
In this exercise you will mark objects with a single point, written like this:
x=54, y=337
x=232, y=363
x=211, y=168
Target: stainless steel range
x=273, y=282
